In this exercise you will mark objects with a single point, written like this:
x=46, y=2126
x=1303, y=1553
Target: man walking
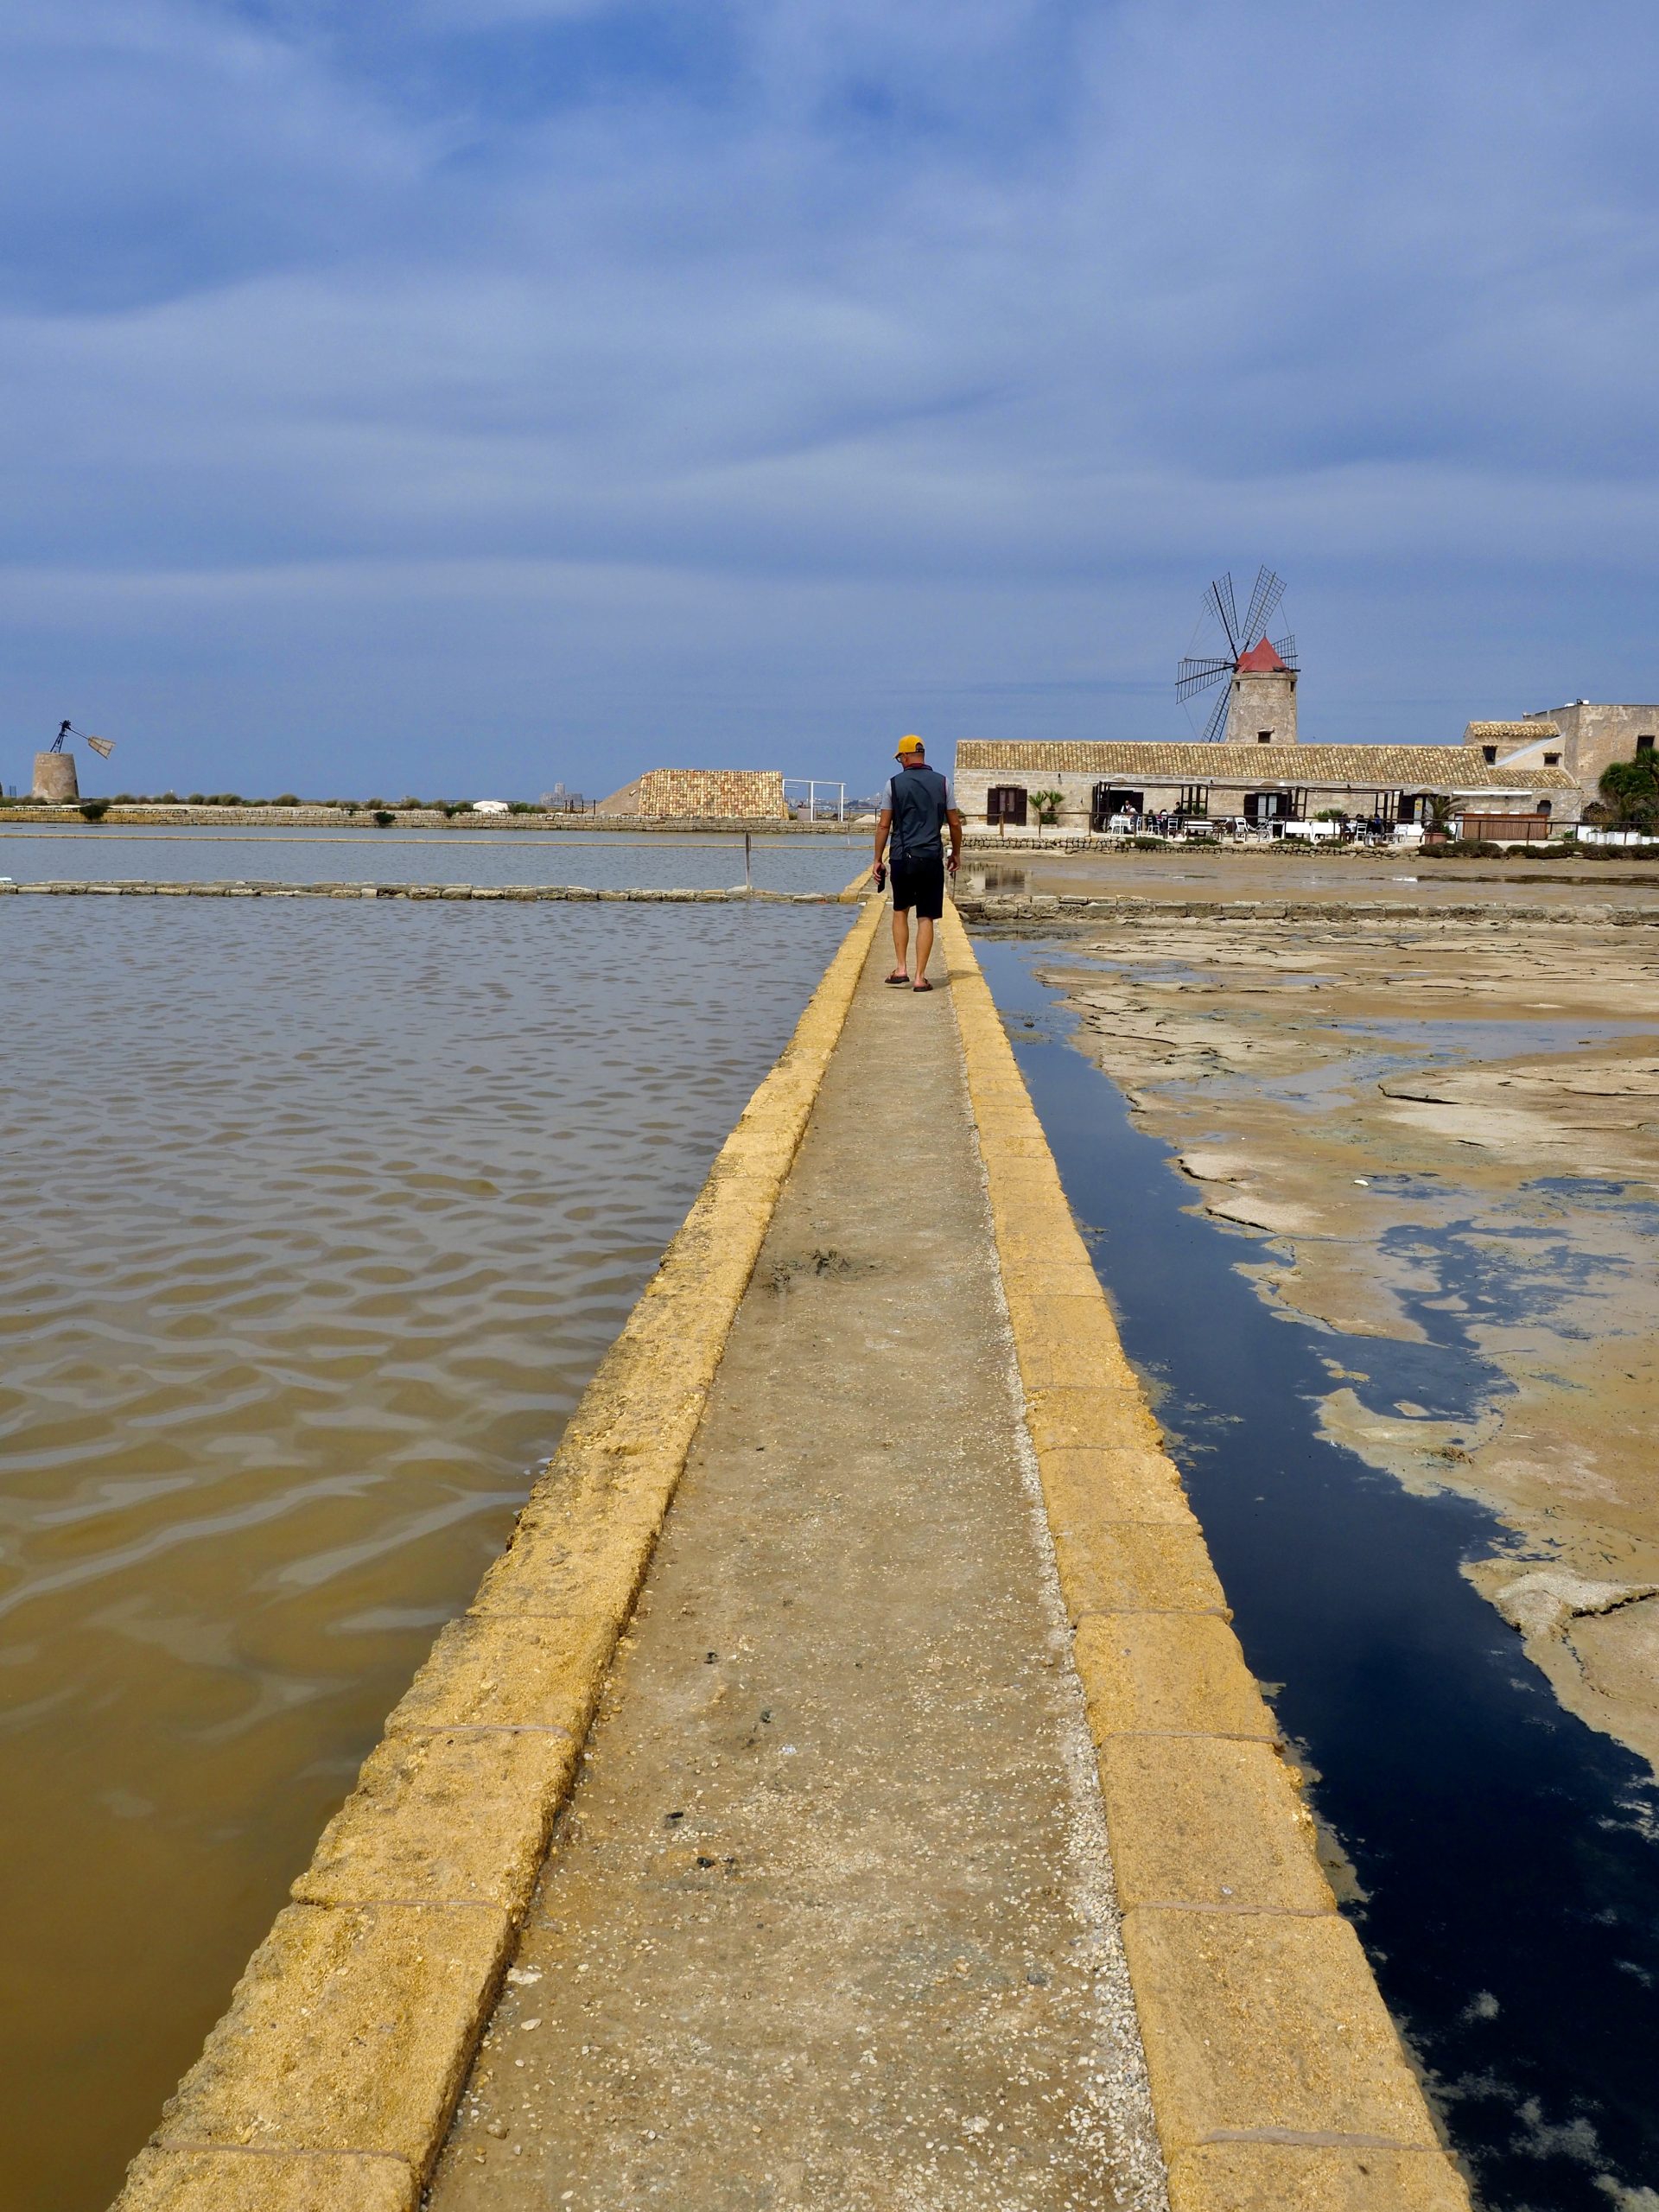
x=915, y=810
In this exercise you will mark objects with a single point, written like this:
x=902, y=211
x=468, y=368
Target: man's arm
x=955, y=820
x=883, y=824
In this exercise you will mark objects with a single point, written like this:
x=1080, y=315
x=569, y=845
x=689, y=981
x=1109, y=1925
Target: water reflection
x=1507, y=1854
x=318, y=1219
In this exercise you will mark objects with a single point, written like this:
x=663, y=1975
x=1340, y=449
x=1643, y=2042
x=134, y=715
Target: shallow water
x=318, y=1218
x=593, y=860
x=1507, y=1854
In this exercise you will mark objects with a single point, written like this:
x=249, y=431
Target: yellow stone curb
x=861, y=883
x=329, y=2084
x=239, y=2180
x=1308, y=2177
x=1279, y=2083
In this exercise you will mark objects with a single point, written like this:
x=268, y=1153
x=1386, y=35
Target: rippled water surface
x=595, y=860
x=316, y=1220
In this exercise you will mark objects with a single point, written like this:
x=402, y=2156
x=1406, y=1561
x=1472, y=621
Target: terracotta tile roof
x=1344, y=767
x=1509, y=733
x=724, y=794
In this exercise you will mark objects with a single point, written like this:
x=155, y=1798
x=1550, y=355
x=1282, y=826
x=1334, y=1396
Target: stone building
x=1582, y=737
x=707, y=794
x=1262, y=699
x=1263, y=781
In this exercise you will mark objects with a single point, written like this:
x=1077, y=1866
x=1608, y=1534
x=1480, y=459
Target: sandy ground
x=828, y=1920
x=1444, y=1131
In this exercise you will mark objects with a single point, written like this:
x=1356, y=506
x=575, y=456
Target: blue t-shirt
x=918, y=800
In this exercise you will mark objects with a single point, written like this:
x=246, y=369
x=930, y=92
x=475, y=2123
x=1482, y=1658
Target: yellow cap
x=906, y=747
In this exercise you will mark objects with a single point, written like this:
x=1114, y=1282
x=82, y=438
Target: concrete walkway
x=828, y=1920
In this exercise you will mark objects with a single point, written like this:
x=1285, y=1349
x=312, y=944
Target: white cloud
x=987, y=334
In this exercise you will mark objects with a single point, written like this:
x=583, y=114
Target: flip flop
x=921, y=986
x=900, y=978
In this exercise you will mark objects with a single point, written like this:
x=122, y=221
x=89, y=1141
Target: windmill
x=1251, y=660
x=54, y=769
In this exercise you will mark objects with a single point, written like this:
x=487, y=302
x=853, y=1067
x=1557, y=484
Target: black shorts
x=919, y=884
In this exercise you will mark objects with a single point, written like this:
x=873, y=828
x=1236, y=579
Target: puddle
x=1507, y=1854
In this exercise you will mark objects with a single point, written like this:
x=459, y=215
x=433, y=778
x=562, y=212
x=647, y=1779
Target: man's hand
x=951, y=861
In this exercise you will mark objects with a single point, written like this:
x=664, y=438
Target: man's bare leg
x=924, y=945
x=901, y=940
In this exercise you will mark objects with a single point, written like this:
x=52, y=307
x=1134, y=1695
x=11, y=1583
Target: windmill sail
x=1220, y=596
x=1265, y=595
x=102, y=746
x=1200, y=675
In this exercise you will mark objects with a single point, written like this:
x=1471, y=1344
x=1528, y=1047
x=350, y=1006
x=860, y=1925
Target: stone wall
x=1343, y=778
x=1266, y=701
x=725, y=794
x=1594, y=736
x=54, y=778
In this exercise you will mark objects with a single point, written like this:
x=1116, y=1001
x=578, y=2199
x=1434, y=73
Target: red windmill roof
x=1259, y=660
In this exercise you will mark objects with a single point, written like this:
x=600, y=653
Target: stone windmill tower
x=1258, y=705
x=54, y=769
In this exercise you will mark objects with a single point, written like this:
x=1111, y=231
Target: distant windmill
x=1258, y=675
x=54, y=769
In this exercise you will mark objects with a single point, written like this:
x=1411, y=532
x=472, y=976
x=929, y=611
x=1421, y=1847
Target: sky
x=457, y=396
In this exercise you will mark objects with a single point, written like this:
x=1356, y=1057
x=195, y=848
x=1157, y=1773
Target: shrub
x=409, y=799
x=384, y=817
x=94, y=809
x=1048, y=804
x=1147, y=844
x=197, y=799
x=285, y=799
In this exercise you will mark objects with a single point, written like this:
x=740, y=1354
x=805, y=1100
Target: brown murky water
x=315, y=1221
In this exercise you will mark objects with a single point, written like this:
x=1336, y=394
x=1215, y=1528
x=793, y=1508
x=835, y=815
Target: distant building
x=995, y=779
x=705, y=794
x=1582, y=737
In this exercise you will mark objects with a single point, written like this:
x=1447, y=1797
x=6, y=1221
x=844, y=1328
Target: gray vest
x=917, y=798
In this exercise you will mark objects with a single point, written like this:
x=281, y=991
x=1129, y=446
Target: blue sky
x=453, y=395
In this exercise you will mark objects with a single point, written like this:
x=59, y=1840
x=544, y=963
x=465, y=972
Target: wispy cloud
x=574, y=386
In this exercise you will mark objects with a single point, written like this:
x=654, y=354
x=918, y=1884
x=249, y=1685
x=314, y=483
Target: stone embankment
x=909, y=1830
x=362, y=820
x=449, y=891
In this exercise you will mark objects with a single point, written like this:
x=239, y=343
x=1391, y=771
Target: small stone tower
x=1261, y=701
x=55, y=778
